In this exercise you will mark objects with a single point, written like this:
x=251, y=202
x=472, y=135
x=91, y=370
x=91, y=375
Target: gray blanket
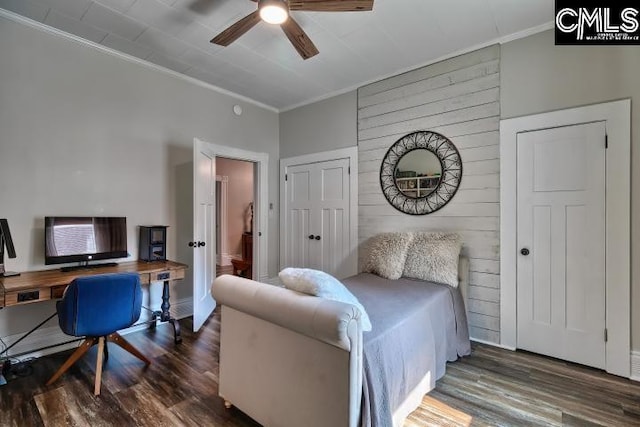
x=417, y=327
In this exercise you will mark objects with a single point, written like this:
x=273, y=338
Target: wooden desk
x=36, y=286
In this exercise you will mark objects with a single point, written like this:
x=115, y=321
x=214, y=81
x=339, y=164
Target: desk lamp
x=6, y=241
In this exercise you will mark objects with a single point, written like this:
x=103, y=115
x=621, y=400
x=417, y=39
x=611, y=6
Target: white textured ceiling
x=355, y=47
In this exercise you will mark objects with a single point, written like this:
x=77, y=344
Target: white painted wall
x=534, y=76
x=83, y=132
x=537, y=76
x=322, y=126
x=86, y=133
x=459, y=98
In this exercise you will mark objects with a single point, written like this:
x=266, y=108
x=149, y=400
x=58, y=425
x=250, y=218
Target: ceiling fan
x=277, y=12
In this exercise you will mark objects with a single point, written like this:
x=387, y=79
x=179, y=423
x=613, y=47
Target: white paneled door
x=317, y=216
x=204, y=184
x=561, y=239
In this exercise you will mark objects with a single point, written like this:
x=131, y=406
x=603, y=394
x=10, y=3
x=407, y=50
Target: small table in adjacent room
x=243, y=267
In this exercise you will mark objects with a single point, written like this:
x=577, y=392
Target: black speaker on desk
x=153, y=243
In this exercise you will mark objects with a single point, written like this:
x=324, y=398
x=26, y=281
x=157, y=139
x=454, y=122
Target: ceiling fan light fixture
x=273, y=11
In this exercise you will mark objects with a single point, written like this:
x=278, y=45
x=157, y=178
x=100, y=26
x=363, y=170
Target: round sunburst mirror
x=421, y=173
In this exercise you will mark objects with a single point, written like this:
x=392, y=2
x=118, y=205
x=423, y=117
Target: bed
x=290, y=359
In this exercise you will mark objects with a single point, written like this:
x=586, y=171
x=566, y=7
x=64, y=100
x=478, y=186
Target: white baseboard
x=182, y=308
x=42, y=337
x=223, y=259
x=635, y=366
x=52, y=335
x=492, y=344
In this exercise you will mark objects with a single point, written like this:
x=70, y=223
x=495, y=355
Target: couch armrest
x=332, y=322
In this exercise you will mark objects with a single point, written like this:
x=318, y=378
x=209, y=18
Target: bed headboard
x=463, y=277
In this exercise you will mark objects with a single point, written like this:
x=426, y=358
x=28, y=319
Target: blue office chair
x=97, y=307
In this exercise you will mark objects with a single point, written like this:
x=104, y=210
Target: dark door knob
x=524, y=251
x=311, y=236
x=317, y=237
x=192, y=244
x=201, y=244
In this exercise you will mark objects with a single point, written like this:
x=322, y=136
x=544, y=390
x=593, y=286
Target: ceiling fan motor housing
x=273, y=11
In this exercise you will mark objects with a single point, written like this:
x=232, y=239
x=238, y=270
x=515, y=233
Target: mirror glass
x=418, y=173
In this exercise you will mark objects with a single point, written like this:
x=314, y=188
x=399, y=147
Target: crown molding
x=46, y=28
x=499, y=40
x=51, y=30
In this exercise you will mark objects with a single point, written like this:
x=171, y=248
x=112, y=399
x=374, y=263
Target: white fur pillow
x=434, y=257
x=323, y=285
x=386, y=254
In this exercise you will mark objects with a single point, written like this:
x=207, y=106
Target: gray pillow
x=386, y=254
x=434, y=257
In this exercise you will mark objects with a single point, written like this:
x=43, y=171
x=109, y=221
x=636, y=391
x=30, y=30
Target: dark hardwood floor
x=495, y=387
x=491, y=387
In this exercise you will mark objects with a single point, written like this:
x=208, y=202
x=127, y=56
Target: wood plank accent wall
x=459, y=98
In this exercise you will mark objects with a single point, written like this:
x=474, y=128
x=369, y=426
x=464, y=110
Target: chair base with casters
x=103, y=354
x=96, y=307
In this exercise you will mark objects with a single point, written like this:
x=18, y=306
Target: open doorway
x=235, y=182
x=204, y=213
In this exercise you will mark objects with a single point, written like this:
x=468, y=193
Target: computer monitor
x=6, y=242
x=84, y=239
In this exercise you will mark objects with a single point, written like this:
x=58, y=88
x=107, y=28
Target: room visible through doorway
x=234, y=216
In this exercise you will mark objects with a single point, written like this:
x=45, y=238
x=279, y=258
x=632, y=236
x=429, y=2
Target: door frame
x=223, y=258
x=343, y=153
x=617, y=118
x=261, y=200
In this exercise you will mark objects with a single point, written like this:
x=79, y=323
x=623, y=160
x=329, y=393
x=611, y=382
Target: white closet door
x=561, y=239
x=331, y=217
x=317, y=216
x=298, y=216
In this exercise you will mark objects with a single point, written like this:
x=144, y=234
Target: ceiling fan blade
x=299, y=38
x=232, y=33
x=331, y=5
